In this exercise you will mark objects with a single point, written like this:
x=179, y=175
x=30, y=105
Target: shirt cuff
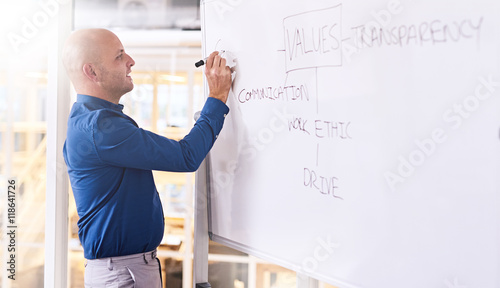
x=215, y=108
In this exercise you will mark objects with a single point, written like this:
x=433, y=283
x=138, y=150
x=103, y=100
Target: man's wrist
x=221, y=97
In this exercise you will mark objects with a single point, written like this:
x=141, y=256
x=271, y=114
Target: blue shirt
x=110, y=162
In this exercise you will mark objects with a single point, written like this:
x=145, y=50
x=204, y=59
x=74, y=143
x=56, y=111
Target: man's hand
x=218, y=76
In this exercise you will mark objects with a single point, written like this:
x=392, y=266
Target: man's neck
x=101, y=95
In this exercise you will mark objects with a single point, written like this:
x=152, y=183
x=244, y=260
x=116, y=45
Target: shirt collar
x=81, y=98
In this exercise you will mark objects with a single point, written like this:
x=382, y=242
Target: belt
x=123, y=260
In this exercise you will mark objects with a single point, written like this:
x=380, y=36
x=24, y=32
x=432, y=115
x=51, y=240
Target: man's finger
x=217, y=61
x=210, y=60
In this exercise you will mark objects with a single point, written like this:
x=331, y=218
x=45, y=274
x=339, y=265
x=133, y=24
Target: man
x=110, y=160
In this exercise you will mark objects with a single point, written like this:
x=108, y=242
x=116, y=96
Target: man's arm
x=123, y=144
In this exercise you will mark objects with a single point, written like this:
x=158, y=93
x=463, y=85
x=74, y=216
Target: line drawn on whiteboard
x=217, y=44
x=226, y=54
x=317, y=154
x=317, y=93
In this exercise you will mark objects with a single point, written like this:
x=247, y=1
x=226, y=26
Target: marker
x=203, y=61
x=200, y=63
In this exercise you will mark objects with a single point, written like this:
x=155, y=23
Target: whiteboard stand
x=306, y=282
x=201, y=240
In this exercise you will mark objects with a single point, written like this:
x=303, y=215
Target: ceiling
x=137, y=14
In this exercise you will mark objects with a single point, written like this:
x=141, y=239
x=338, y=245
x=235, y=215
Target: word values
x=313, y=39
x=320, y=128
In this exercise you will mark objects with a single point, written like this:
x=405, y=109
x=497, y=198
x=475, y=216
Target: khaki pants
x=132, y=271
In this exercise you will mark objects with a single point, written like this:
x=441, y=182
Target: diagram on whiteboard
x=314, y=40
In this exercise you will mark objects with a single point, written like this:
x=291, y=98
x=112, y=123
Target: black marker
x=200, y=63
x=203, y=61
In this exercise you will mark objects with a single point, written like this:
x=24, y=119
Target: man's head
x=97, y=64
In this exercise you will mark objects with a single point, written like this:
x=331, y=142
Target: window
x=23, y=89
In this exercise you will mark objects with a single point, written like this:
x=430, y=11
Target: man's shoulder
x=100, y=128
x=101, y=117
x=108, y=122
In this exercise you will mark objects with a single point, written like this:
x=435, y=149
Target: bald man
x=110, y=160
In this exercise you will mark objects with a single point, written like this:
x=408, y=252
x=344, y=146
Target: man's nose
x=131, y=62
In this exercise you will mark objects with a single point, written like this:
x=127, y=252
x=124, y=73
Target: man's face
x=115, y=67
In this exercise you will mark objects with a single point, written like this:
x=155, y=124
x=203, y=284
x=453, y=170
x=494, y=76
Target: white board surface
x=363, y=143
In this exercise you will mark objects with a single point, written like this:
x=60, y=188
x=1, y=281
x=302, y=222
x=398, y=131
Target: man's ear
x=90, y=71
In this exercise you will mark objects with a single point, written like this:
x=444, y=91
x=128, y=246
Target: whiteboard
x=363, y=143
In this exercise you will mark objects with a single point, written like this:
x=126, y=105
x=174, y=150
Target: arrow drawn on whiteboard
x=454, y=284
x=217, y=44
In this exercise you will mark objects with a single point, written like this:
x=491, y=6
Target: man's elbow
x=193, y=167
x=193, y=164
x=193, y=158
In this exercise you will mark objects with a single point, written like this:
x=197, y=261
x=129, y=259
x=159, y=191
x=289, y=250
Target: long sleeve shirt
x=110, y=162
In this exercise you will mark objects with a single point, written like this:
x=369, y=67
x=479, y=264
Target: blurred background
x=164, y=38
